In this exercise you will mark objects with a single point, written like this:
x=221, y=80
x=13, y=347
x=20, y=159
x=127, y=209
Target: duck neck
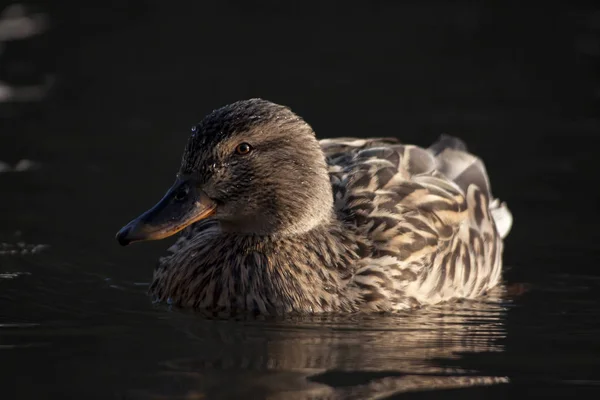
x=304, y=272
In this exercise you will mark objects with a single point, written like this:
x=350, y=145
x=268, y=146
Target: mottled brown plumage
x=337, y=225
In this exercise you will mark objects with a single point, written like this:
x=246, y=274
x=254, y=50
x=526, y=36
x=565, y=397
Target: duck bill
x=181, y=206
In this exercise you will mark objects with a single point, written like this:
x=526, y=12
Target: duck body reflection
x=358, y=356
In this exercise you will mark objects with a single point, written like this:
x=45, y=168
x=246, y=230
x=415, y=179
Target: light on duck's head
x=253, y=166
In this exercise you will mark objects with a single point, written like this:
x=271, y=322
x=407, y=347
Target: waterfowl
x=274, y=221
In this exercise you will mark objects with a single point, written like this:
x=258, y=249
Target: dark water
x=519, y=85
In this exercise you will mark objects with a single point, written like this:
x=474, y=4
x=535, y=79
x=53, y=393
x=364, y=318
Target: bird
x=274, y=221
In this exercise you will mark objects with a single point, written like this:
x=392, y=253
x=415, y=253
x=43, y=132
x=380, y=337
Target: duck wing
x=435, y=230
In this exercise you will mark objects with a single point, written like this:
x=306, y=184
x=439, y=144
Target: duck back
x=434, y=228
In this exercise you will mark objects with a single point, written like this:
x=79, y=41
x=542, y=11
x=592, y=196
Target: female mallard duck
x=276, y=221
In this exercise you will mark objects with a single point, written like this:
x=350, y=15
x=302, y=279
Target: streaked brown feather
x=426, y=212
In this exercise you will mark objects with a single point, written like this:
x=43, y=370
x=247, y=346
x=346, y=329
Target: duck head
x=253, y=166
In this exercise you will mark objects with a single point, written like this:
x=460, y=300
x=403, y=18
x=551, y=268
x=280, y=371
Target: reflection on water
x=103, y=336
x=79, y=334
x=345, y=357
x=20, y=248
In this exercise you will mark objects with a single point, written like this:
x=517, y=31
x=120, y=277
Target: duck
x=272, y=220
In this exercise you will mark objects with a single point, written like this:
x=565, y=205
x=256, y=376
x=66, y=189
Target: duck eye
x=243, y=149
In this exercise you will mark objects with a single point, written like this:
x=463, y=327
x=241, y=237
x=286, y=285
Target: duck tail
x=502, y=217
x=463, y=168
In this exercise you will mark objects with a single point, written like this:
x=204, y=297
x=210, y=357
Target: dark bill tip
x=181, y=206
x=123, y=236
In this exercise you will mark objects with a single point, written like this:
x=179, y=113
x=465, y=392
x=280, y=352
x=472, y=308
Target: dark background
x=520, y=83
